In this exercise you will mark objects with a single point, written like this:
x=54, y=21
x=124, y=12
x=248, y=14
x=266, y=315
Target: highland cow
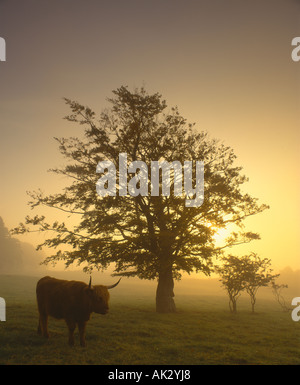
x=72, y=301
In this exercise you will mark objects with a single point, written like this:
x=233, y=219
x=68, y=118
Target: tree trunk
x=164, y=292
x=232, y=305
x=253, y=300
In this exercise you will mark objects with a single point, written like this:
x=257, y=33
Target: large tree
x=151, y=237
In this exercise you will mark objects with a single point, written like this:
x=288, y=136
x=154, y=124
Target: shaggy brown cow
x=72, y=301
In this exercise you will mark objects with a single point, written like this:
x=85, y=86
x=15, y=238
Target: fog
x=18, y=257
x=21, y=258
x=195, y=285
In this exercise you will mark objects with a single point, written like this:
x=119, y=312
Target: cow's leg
x=71, y=326
x=43, y=325
x=81, y=328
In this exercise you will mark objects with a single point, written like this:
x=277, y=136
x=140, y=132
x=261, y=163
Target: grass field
x=201, y=332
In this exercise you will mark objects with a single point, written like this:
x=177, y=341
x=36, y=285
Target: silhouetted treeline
x=17, y=257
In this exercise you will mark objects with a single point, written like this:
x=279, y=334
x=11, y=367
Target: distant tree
x=10, y=252
x=151, y=237
x=257, y=274
x=277, y=291
x=17, y=257
x=232, y=279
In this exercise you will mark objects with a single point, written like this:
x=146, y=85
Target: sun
x=221, y=234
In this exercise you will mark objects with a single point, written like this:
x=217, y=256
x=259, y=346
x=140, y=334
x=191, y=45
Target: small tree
x=232, y=279
x=277, y=291
x=257, y=274
x=248, y=273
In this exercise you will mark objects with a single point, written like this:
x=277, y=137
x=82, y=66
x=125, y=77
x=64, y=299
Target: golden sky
x=226, y=64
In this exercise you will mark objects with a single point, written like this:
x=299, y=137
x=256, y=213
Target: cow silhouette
x=73, y=301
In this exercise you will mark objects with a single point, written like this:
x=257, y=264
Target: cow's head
x=99, y=297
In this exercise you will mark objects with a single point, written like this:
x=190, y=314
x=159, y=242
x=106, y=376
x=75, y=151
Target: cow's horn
x=112, y=286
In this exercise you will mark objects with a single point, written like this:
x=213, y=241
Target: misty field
x=201, y=332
